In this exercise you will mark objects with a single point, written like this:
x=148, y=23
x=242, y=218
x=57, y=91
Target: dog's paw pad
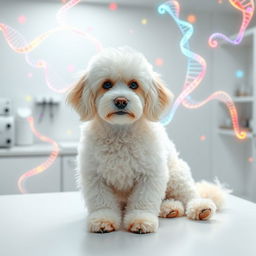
x=141, y=222
x=200, y=209
x=172, y=214
x=141, y=227
x=103, y=221
x=171, y=208
x=205, y=214
x=101, y=226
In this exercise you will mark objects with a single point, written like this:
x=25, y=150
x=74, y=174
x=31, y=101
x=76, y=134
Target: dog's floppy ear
x=158, y=99
x=81, y=98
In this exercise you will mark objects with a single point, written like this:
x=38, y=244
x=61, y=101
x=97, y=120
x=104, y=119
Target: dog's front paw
x=141, y=222
x=103, y=221
x=200, y=209
x=171, y=208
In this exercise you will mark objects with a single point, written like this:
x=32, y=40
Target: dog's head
x=120, y=87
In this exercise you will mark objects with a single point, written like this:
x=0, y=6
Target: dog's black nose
x=120, y=102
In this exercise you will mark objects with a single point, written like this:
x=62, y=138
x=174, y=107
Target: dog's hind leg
x=171, y=208
x=181, y=186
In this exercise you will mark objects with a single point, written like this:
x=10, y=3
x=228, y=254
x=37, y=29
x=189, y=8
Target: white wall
x=159, y=38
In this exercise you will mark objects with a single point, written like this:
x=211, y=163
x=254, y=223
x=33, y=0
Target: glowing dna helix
x=196, y=69
x=19, y=44
x=45, y=165
x=247, y=9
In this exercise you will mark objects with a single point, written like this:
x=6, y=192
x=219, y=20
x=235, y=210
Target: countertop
x=54, y=225
x=66, y=148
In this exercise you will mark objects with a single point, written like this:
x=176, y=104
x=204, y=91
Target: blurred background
x=204, y=136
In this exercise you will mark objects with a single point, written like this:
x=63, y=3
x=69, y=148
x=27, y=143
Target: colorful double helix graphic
x=19, y=44
x=247, y=9
x=45, y=165
x=196, y=69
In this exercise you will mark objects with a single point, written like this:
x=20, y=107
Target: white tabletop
x=54, y=225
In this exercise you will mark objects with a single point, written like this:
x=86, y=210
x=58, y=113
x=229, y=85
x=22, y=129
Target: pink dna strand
x=247, y=9
x=43, y=166
x=196, y=69
x=19, y=44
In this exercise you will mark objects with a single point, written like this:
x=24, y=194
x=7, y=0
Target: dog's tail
x=216, y=191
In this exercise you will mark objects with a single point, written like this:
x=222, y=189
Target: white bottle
x=23, y=133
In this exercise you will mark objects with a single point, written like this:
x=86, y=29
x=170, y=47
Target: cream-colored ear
x=157, y=101
x=82, y=99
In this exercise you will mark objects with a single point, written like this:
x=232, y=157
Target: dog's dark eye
x=107, y=85
x=133, y=85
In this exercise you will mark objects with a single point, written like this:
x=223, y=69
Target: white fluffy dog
x=128, y=166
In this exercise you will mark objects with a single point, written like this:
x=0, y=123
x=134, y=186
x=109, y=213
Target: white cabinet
x=60, y=176
x=12, y=167
x=69, y=173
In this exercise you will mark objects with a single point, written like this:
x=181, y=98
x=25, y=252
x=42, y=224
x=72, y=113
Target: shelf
x=230, y=132
x=243, y=99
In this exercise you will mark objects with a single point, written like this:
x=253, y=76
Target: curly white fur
x=126, y=163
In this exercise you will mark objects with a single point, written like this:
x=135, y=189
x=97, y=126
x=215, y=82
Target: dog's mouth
x=120, y=113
